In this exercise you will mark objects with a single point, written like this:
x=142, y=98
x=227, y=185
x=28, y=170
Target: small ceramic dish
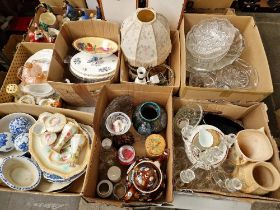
x=17, y=123
x=55, y=123
x=20, y=173
x=4, y=127
x=118, y=123
x=21, y=142
x=44, y=116
x=26, y=99
x=38, y=90
x=97, y=46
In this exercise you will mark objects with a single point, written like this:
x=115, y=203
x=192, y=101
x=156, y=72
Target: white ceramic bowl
x=20, y=173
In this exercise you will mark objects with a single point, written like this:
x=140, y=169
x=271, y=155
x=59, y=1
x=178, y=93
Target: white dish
x=38, y=90
x=20, y=173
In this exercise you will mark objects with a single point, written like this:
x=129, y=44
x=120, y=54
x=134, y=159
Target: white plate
x=84, y=65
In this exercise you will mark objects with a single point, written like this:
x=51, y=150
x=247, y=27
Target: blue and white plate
x=6, y=142
x=58, y=179
x=20, y=173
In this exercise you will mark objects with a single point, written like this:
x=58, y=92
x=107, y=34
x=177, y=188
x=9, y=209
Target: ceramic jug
x=251, y=145
x=258, y=178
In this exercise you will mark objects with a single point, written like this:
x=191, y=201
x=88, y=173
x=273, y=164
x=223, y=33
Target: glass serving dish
x=235, y=50
x=210, y=39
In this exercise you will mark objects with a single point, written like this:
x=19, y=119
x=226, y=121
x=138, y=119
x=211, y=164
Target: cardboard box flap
x=172, y=10
x=59, y=3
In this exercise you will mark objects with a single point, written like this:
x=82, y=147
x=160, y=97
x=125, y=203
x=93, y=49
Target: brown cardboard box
x=24, y=51
x=253, y=53
x=141, y=93
x=173, y=61
x=10, y=48
x=253, y=117
x=77, y=186
x=79, y=94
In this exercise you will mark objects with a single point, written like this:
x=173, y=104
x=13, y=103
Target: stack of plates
x=88, y=68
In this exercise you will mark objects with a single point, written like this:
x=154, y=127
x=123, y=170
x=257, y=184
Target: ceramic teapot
x=31, y=73
x=145, y=179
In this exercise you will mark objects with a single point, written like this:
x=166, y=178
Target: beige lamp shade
x=146, y=38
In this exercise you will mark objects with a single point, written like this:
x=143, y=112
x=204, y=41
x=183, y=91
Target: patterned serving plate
x=97, y=46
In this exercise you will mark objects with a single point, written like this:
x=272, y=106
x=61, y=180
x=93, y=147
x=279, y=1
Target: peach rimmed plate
x=52, y=162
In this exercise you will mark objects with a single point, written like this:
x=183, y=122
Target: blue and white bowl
x=19, y=125
x=6, y=142
x=20, y=173
x=21, y=142
x=58, y=179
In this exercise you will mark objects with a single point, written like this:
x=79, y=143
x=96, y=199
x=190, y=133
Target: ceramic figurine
x=145, y=178
x=6, y=142
x=84, y=15
x=149, y=118
x=71, y=12
x=37, y=35
x=19, y=125
x=98, y=13
x=21, y=142
x=141, y=76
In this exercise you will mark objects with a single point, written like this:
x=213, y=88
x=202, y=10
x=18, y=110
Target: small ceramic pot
x=149, y=118
x=20, y=173
x=6, y=142
x=118, y=123
x=251, y=146
x=104, y=188
x=259, y=178
x=126, y=155
x=21, y=142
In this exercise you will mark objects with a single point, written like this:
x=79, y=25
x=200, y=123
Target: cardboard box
x=24, y=51
x=253, y=53
x=77, y=186
x=210, y=4
x=253, y=117
x=59, y=3
x=10, y=48
x=173, y=61
x=79, y=94
x=141, y=94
